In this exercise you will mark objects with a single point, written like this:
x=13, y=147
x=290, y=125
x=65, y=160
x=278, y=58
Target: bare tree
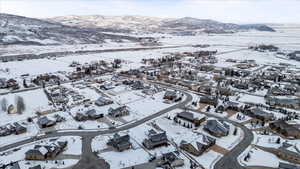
x=4, y=105
x=20, y=104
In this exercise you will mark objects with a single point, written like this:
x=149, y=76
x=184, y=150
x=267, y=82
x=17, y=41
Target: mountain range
x=97, y=29
x=141, y=24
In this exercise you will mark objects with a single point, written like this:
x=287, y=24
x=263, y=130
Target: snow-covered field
x=34, y=100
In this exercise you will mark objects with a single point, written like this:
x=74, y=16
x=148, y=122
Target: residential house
x=229, y=106
x=5, y=131
x=44, y=152
x=293, y=103
x=260, y=114
x=137, y=85
x=107, y=86
x=155, y=139
x=276, y=91
x=189, y=117
x=287, y=166
x=285, y=129
x=12, y=83
x=209, y=100
x=217, y=128
x=119, y=142
x=197, y=148
x=170, y=160
x=287, y=155
x=44, y=122
x=241, y=85
x=19, y=129
x=118, y=112
x=102, y=101
x=80, y=117
x=15, y=166
x=91, y=114
x=170, y=95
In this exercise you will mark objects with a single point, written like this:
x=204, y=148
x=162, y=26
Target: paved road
x=229, y=160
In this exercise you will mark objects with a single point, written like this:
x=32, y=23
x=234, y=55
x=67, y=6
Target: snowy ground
x=34, y=100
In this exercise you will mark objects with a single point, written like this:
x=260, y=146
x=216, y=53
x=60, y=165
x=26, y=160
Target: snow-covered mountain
x=22, y=30
x=142, y=24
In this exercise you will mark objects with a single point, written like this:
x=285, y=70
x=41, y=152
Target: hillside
x=22, y=30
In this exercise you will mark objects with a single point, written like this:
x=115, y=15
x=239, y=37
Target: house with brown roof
x=285, y=129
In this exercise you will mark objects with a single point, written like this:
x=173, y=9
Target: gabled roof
x=217, y=126
x=186, y=115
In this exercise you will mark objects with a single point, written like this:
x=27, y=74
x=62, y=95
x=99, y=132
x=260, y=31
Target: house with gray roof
x=44, y=122
x=209, y=100
x=44, y=152
x=19, y=129
x=170, y=160
x=190, y=117
x=15, y=166
x=284, y=102
x=103, y=101
x=91, y=114
x=285, y=129
x=119, y=112
x=260, y=114
x=170, y=95
x=155, y=139
x=119, y=142
x=198, y=147
x=287, y=166
x=217, y=128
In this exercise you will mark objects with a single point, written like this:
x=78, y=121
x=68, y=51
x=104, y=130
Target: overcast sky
x=240, y=11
